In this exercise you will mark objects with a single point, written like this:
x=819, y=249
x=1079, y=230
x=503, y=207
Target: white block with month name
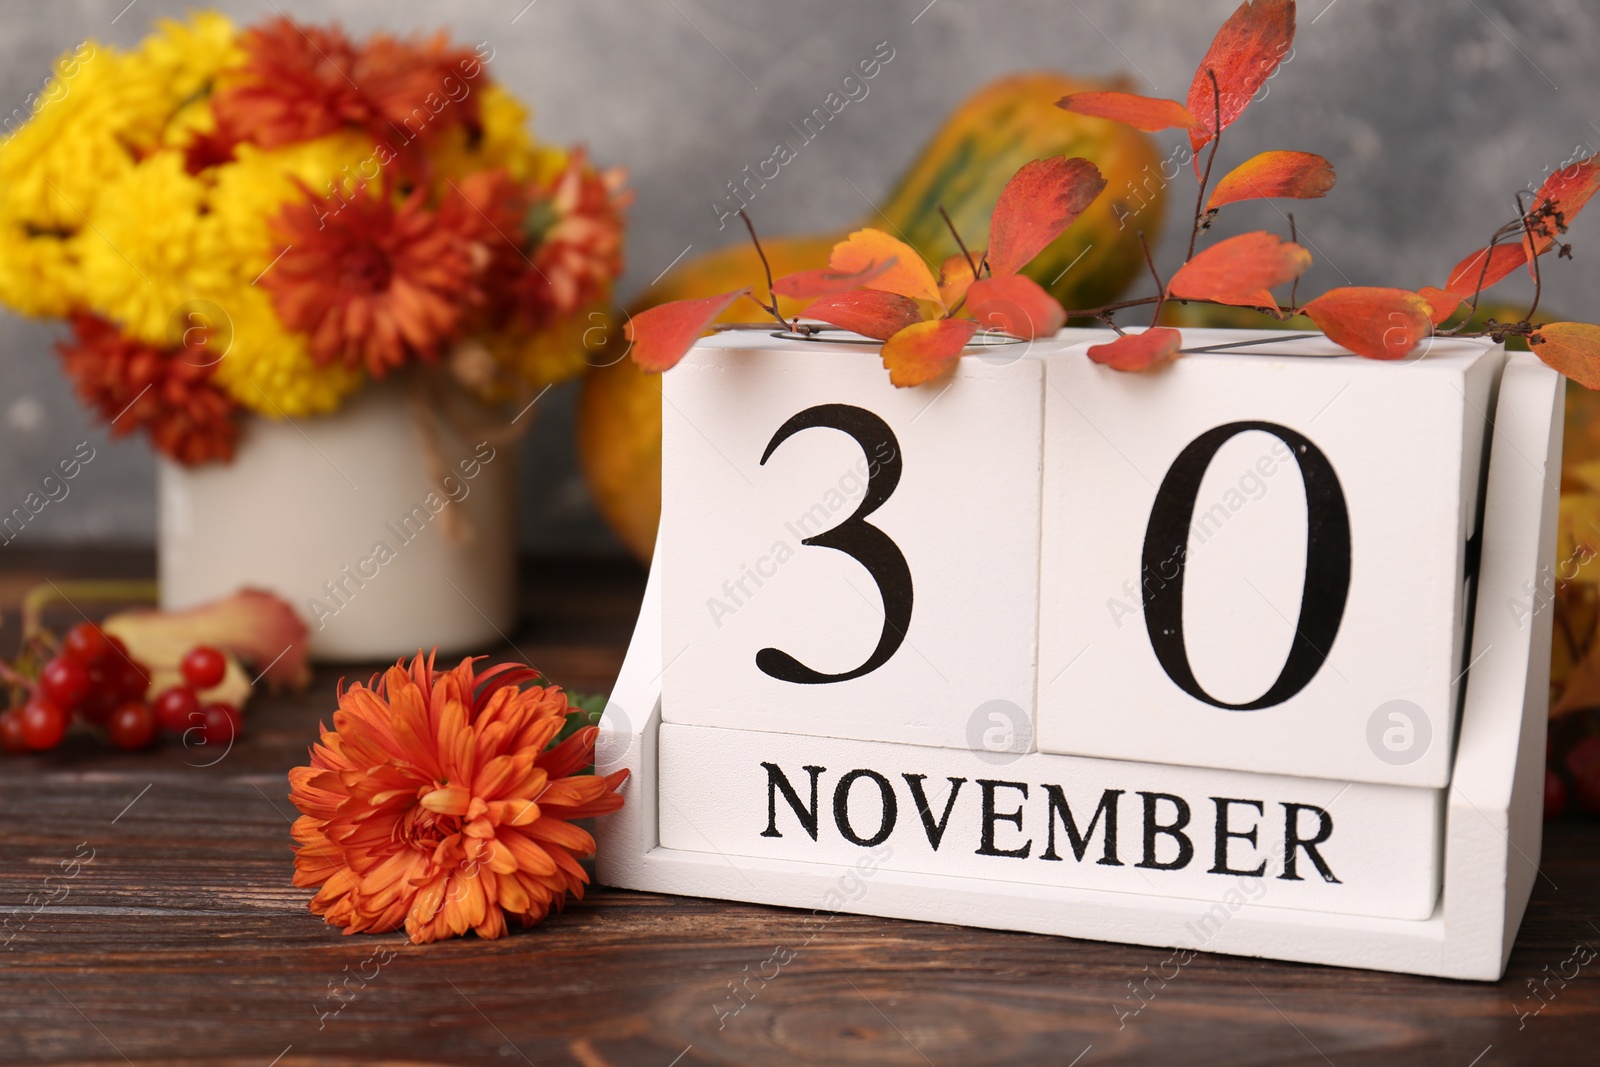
x=1137, y=828
x=844, y=557
x=1257, y=559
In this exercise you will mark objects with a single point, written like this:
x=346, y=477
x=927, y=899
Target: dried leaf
x=1442, y=301
x=1241, y=270
x=1146, y=113
x=1370, y=321
x=1243, y=55
x=1037, y=204
x=867, y=312
x=662, y=335
x=924, y=350
x=1139, y=351
x=809, y=284
x=1573, y=348
x=955, y=276
x=1298, y=175
x=1501, y=259
x=908, y=276
x=1016, y=304
x=1566, y=191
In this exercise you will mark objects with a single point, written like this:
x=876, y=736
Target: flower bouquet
x=246, y=228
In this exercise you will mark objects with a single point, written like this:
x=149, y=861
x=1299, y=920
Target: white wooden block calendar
x=1259, y=558
x=798, y=487
x=701, y=800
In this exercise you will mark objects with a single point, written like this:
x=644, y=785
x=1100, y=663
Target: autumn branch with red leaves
x=879, y=287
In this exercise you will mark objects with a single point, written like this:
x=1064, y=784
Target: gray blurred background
x=1434, y=113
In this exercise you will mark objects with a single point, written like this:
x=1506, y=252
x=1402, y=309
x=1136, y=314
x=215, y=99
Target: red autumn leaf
x=1139, y=351
x=1298, y=175
x=1573, y=348
x=908, y=276
x=867, y=312
x=1241, y=270
x=1016, y=304
x=664, y=334
x=805, y=284
x=1442, y=301
x=1501, y=259
x=1565, y=191
x=1146, y=113
x=1040, y=200
x=1243, y=55
x=924, y=350
x=1373, y=322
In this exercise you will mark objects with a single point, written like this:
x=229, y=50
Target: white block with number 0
x=845, y=558
x=1256, y=562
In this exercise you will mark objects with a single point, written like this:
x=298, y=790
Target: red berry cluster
x=94, y=678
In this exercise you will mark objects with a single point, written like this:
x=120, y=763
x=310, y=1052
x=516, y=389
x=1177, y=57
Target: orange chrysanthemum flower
x=490, y=211
x=133, y=385
x=580, y=251
x=437, y=802
x=370, y=282
x=304, y=82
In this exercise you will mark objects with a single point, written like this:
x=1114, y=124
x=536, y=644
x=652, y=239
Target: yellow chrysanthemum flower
x=80, y=136
x=149, y=249
x=552, y=355
x=504, y=142
x=250, y=191
x=38, y=271
x=269, y=369
x=184, y=57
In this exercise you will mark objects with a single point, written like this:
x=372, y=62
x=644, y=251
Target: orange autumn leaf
x=1442, y=301
x=955, y=276
x=1243, y=55
x=1371, y=321
x=806, y=284
x=1016, y=304
x=1241, y=270
x=662, y=335
x=1139, y=351
x=924, y=350
x=867, y=312
x=1566, y=191
x=908, y=276
x=1573, y=348
x=1297, y=175
x=1501, y=260
x=1041, y=200
x=1146, y=113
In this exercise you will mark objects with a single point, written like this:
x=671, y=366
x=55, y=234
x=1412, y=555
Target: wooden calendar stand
x=1493, y=807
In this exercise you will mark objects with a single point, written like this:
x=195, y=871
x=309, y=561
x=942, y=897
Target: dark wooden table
x=182, y=941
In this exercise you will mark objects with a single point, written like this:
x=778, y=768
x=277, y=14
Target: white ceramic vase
x=339, y=516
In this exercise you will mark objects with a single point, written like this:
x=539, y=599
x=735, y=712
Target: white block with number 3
x=845, y=558
x=1256, y=560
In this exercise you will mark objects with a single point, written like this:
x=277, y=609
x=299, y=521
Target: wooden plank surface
x=182, y=941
